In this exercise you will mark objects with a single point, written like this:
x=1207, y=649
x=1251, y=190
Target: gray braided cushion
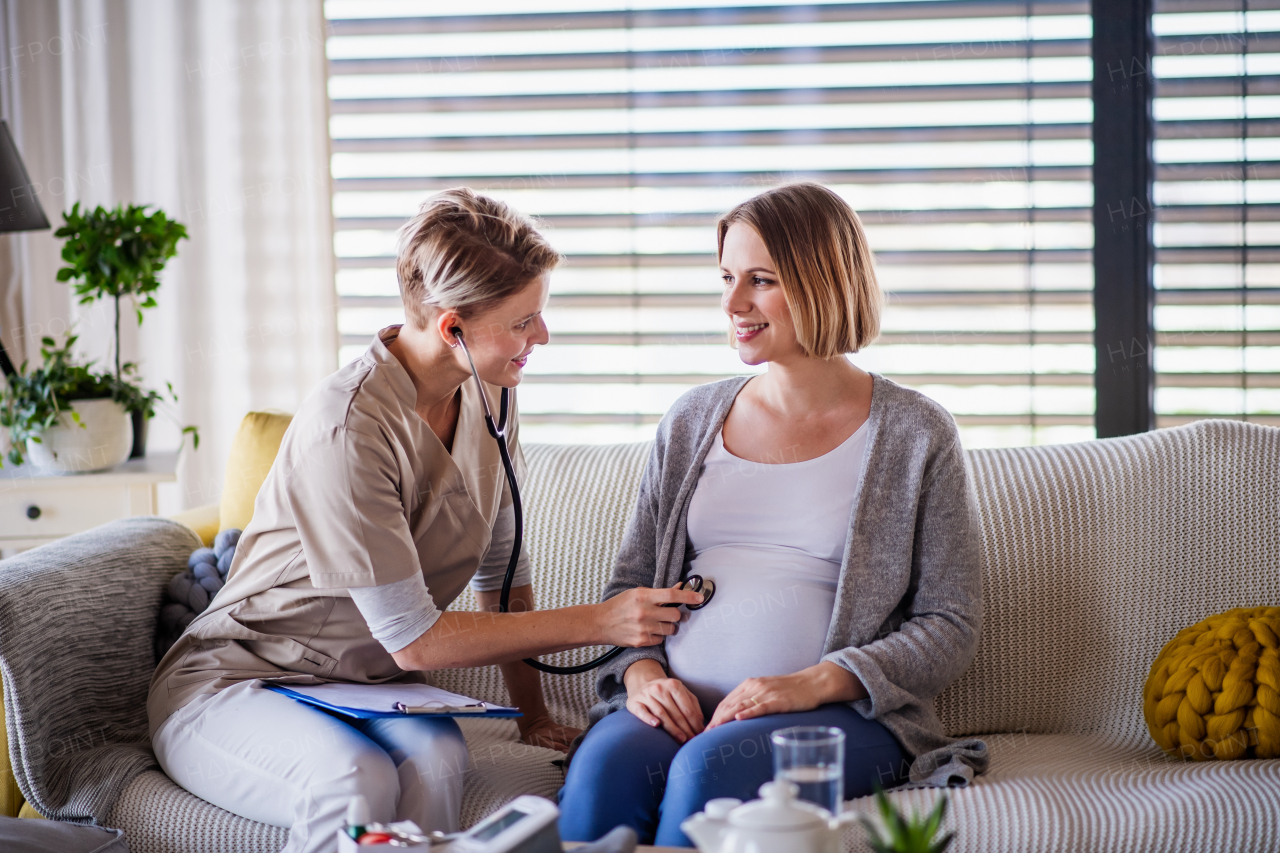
x=77, y=633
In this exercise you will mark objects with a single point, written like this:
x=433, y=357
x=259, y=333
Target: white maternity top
x=772, y=537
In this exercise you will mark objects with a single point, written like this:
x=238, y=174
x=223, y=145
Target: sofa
x=1095, y=555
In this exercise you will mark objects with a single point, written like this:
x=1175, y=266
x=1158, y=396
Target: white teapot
x=776, y=823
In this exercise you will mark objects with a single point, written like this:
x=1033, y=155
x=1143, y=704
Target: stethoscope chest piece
x=706, y=586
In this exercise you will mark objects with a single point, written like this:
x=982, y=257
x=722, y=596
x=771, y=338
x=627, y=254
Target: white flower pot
x=101, y=440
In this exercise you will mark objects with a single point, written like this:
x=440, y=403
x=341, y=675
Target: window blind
x=960, y=131
x=1217, y=227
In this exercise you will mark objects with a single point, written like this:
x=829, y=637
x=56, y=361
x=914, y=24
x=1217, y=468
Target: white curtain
x=214, y=110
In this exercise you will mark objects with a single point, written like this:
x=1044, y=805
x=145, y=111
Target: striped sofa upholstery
x=1095, y=555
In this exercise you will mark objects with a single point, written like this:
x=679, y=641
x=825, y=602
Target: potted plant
x=117, y=253
x=902, y=834
x=69, y=418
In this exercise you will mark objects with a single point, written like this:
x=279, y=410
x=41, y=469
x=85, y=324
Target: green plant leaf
x=897, y=833
x=117, y=252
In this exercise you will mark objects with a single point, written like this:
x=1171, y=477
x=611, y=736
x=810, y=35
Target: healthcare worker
x=387, y=497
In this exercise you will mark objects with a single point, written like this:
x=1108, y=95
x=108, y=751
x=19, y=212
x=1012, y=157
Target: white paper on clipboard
x=394, y=698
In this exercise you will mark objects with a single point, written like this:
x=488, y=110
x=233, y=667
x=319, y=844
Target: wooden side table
x=37, y=507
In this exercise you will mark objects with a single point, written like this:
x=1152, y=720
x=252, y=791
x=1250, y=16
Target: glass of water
x=813, y=758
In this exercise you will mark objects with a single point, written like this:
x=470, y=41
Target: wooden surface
x=69, y=503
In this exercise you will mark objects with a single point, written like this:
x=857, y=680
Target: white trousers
x=272, y=759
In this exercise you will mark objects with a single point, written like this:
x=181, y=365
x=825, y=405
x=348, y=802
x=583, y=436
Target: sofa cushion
x=1096, y=555
x=253, y=450
x=1065, y=793
x=159, y=817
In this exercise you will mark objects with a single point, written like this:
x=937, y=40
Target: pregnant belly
x=769, y=616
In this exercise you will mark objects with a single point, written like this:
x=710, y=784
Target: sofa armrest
x=204, y=520
x=77, y=649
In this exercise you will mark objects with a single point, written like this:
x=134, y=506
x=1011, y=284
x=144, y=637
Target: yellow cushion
x=27, y=811
x=1214, y=689
x=10, y=797
x=252, y=451
x=204, y=520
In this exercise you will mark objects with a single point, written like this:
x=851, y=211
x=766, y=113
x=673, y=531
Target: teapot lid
x=778, y=810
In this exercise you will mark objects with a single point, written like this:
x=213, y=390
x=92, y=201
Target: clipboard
x=379, y=701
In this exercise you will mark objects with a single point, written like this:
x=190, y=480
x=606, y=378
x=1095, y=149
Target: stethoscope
x=499, y=433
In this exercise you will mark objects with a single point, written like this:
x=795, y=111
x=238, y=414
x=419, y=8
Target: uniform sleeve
x=344, y=493
x=398, y=613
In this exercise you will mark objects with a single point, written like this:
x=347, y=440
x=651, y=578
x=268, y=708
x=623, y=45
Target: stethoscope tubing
x=499, y=433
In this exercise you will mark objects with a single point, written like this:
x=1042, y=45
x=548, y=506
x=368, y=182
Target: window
x=1217, y=111
x=959, y=130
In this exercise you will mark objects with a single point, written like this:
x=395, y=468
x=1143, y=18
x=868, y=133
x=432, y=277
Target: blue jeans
x=626, y=772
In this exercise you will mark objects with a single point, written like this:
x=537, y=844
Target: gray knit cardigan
x=909, y=599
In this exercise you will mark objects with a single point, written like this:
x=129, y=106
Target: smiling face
x=753, y=299
x=501, y=338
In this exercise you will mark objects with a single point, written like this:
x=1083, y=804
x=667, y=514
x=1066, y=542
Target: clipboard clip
x=402, y=708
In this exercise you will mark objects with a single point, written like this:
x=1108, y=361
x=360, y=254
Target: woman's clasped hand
x=770, y=694
x=659, y=700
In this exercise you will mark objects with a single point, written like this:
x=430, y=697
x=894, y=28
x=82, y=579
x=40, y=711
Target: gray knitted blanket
x=77, y=629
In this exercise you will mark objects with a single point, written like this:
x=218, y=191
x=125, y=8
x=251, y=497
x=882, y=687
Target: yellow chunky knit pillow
x=1214, y=689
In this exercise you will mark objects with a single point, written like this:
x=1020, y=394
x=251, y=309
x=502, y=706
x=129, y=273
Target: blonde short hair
x=823, y=261
x=466, y=252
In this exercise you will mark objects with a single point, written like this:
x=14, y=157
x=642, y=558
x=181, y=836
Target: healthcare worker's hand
x=544, y=731
x=657, y=700
x=639, y=617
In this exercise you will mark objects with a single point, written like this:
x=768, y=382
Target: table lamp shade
x=19, y=208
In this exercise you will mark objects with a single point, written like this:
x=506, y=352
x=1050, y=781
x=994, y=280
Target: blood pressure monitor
x=525, y=825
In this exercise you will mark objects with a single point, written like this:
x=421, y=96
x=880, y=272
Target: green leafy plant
x=906, y=835
x=35, y=399
x=116, y=253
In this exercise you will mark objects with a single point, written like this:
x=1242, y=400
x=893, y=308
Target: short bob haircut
x=823, y=262
x=467, y=252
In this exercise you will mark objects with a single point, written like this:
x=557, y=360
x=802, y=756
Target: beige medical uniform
x=362, y=494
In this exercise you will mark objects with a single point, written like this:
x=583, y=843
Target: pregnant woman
x=834, y=512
